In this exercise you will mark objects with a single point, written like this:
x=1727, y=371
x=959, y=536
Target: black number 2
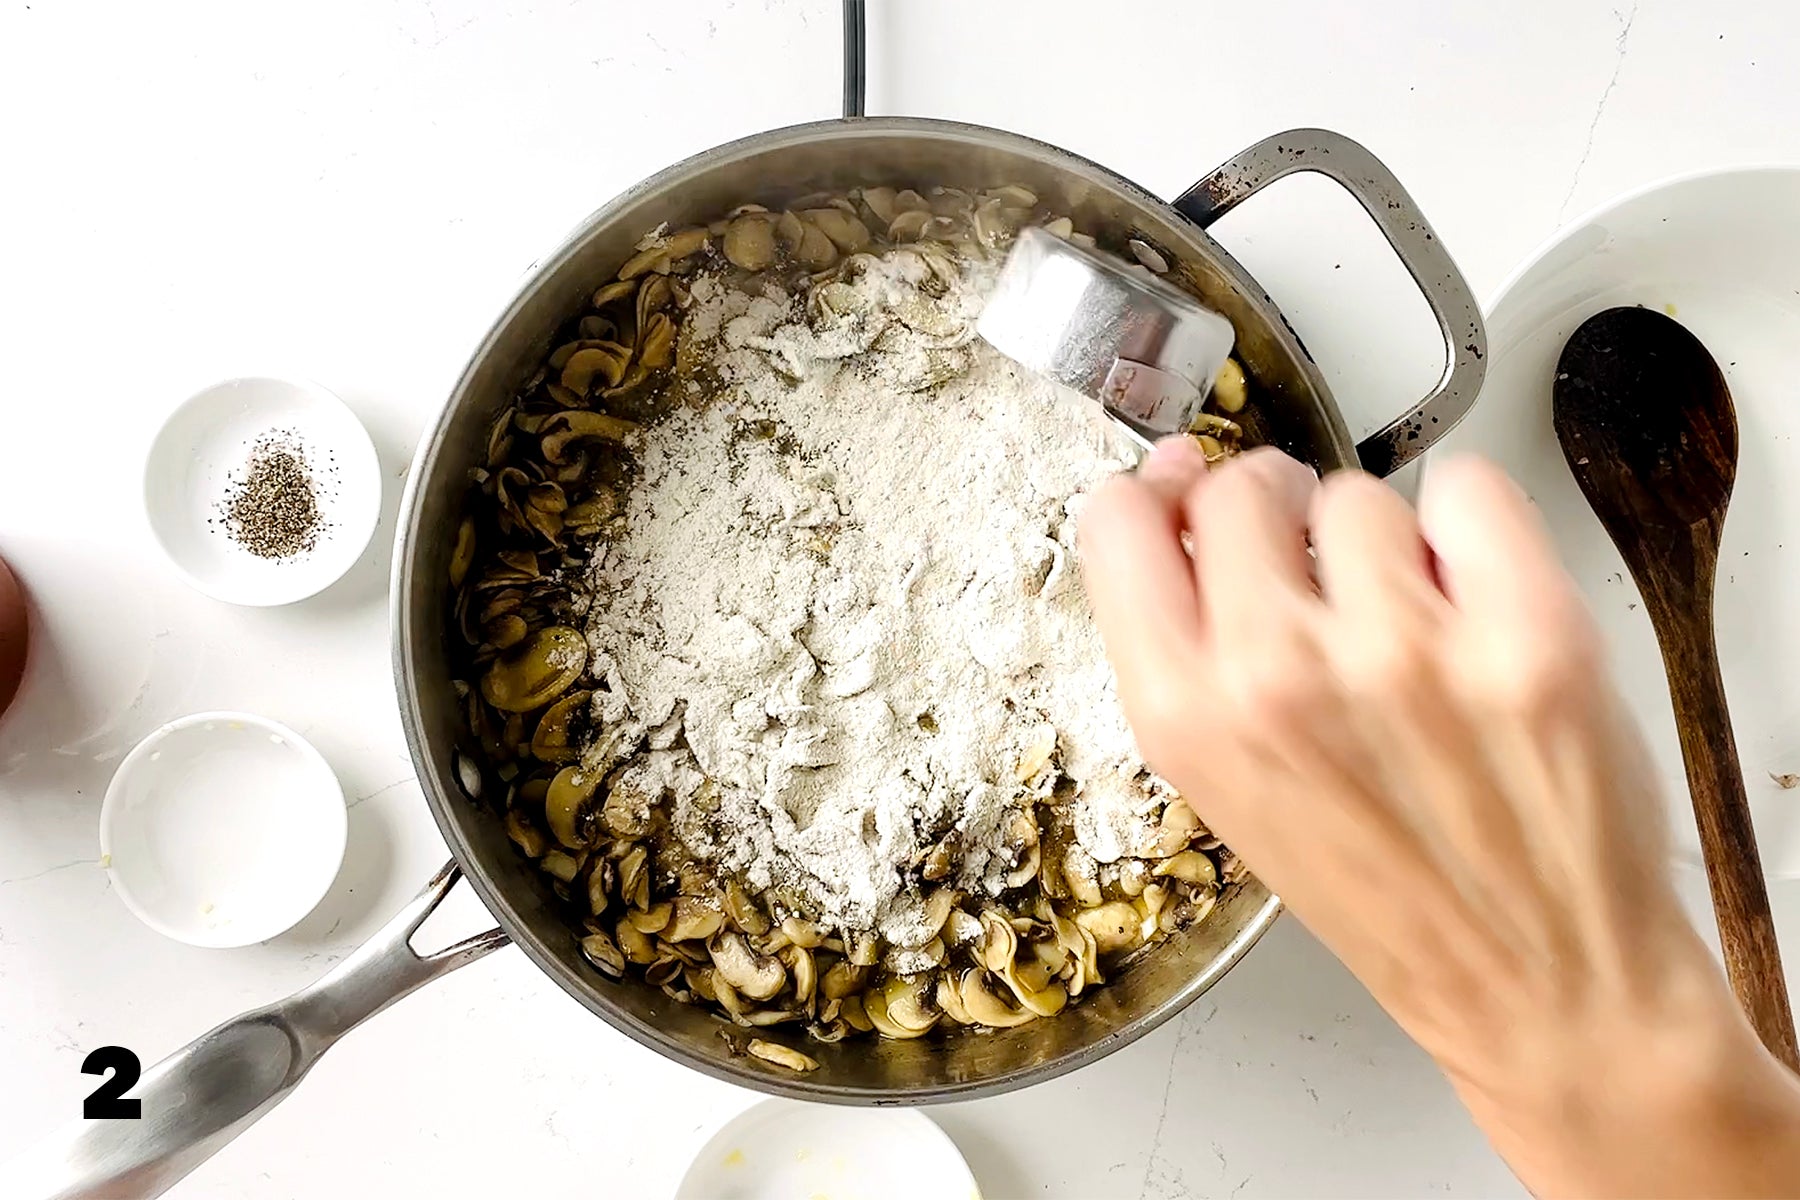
x=108, y=1102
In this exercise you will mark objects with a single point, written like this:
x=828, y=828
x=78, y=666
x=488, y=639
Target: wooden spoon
x=1647, y=425
x=13, y=636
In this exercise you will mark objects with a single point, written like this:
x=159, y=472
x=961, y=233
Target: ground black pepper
x=271, y=509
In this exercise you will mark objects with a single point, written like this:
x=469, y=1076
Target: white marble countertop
x=351, y=190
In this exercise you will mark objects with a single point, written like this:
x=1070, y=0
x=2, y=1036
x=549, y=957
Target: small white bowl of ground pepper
x=262, y=491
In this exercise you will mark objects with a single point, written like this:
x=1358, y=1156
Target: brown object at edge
x=13, y=640
x=1647, y=425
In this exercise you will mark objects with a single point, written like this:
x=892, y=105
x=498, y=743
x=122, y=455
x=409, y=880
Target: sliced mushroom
x=1178, y=825
x=750, y=242
x=606, y=360
x=573, y=425
x=804, y=972
x=908, y=225
x=816, y=251
x=1039, y=747
x=693, y=920
x=1150, y=906
x=652, y=258
x=634, y=877
x=1213, y=423
x=790, y=231
x=984, y=1005
x=1022, y=833
x=1114, y=925
x=525, y=835
x=587, y=516
x=536, y=672
x=801, y=933
x=855, y=1015
x=755, y=975
x=999, y=941
x=846, y=232
x=899, y=1010
x=861, y=949
x=550, y=740
x=601, y=950
x=1190, y=866
x=1231, y=391
x=656, y=349
x=686, y=242
x=744, y=911
x=565, y=805
x=782, y=1056
x=664, y=970
x=1081, y=873
x=937, y=912
x=505, y=631
x=1148, y=255
x=949, y=999
x=880, y=201
x=704, y=983
x=617, y=290
x=561, y=865
x=462, y=557
x=994, y=224
x=652, y=920
x=842, y=979
x=939, y=859
x=1032, y=987
x=600, y=886
x=637, y=946
x=1013, y=195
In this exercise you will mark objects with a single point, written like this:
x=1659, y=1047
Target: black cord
x=856, y=76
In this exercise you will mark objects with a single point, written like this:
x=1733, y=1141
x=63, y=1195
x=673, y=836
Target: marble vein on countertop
x=1587, y=147
x=1186, y=1029
x=383, y=790
x=76, y=862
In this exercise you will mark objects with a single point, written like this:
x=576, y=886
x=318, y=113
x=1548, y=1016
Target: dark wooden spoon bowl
x=1647, y=424
x=13, y=636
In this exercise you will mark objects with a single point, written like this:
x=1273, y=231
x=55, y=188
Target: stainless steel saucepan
x=203, y=1095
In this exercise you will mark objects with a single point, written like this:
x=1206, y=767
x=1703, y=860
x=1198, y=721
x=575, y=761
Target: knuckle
x=1396, y=669
x=1166, y=714
x=1274, y=689
x=1543, y=677
x=1349, y=491
x=1240, y=484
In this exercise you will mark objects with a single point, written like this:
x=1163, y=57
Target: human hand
x=1411, y=738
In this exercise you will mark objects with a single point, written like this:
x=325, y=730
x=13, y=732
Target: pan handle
x=1452, y=303
x=212, y=1089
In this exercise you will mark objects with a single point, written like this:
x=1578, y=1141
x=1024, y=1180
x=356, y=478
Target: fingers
x=1495, y=559
x=1249, y=532
x=1373, y=564
x=1136, y=572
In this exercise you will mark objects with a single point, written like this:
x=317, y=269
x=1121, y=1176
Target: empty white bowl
x=781, y=1149
x=222, y=829
x=207, y=441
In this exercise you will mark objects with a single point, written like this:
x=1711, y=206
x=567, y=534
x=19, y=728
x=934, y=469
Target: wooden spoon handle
x=1733, y=867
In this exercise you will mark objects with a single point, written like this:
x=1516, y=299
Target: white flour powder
x=850, y=603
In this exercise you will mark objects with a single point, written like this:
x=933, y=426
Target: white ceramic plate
x=222, y=829
x=786, y=1150
x=1721, y=253
x=207, y=441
